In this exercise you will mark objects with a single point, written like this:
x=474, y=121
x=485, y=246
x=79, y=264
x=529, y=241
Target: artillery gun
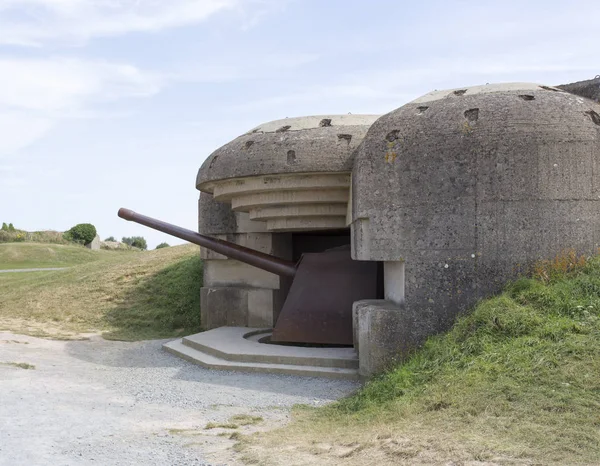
x=318, y=307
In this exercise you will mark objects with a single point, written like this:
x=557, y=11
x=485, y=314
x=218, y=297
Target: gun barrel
x=258, y=259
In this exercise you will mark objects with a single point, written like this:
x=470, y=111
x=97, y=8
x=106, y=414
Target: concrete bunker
x=467, y=195
x=289, y=207
x=442, y=200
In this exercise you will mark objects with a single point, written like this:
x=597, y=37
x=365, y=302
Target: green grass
x=125, y=295
x=166, y=302
x=47, y=236
x=515, y=381
x=215, y=425
x=37, y=255
x=20, y=365
x=246, y=419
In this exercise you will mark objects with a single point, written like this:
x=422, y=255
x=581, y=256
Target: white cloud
x=35, y=22
x=37, y=93
x=55, y=84
x=376, y=90
x=18, y=130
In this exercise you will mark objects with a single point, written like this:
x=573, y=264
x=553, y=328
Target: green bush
x=111, y=238
x=136, y=242
x=82, y=233
x=4, y=226
x=11, y=227
x=162, y=245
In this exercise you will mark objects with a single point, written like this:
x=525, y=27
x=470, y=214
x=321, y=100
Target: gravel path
x=117, y=403
x=45, y=269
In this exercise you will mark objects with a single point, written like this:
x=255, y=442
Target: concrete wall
x=95, y=244
x=468, y=187
x=234, y=293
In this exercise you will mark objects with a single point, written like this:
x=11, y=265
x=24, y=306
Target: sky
x=116, y=103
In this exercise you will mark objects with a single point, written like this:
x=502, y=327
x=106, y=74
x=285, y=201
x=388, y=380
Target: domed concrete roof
x=469, y=187
x=310, y=144
x=293, y=174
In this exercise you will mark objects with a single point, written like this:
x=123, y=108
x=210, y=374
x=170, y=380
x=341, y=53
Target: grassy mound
x=126, y=295
x=44, y=236
x=34, y=255
x=515, y=382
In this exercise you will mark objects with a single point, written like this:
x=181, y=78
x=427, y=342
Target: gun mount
x=318, y=307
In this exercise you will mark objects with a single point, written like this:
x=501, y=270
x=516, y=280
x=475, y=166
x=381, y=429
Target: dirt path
x=102, y=402
x=45, y=269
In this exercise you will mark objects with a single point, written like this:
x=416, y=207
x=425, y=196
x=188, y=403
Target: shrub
x=111, y=238
x=162, y=245
x=139, y=242
x=136, y=242
x=4, y=226
x=83, y=233
x=11, y=227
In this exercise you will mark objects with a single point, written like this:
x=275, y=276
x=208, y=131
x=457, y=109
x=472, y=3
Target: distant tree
x=11, y=227
x=111, y=238
x=83, y=233
x=139, y=242
x=162, y=245
x=4, y=226
x=136, y=242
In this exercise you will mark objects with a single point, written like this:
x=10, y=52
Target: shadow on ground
x=149, y=355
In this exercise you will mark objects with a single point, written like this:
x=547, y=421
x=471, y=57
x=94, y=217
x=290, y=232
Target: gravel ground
x=116, y=403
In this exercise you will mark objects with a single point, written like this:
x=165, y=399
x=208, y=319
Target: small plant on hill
x=162, y=245
x=111, y=238
x=4, y=226
x=136, y=242
x=11, y=227
x=564, y=263
x=82, y=233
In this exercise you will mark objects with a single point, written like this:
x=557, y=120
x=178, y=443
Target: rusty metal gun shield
x=318, y=308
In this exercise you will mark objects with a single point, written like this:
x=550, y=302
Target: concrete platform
x=239, y=348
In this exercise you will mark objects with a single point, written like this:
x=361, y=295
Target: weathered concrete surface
x=386, y=333
x=284, y=164
x=217, y=218
x=287, y=175
x=254, y=294
x=235, y=273
x=239, y=306
x=289, y=202
x=312, y=144
x=589, y=89
x=470, y=186
x=239, y=348
x=244, y=344
x=95, y=244
x=118, y=403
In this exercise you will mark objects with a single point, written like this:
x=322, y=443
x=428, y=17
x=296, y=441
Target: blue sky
x=111, y=103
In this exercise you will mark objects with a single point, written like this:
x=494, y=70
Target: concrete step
x=241, y=344
x=190, y=354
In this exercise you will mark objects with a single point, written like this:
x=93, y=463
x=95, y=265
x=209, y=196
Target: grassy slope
x=127, y=295
x=515, y=382
x=34, y=255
